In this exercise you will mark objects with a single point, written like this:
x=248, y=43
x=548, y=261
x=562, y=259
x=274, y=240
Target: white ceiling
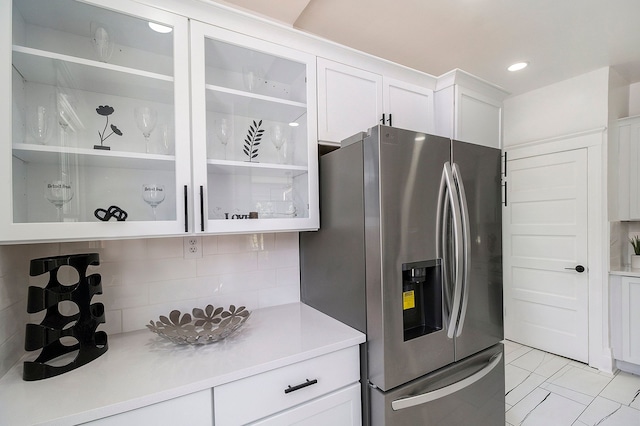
x=560, y=38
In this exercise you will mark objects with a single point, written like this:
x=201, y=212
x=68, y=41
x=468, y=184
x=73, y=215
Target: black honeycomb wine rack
x=54, y=334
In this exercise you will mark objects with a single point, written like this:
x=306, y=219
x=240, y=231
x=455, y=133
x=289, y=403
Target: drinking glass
x=222, y=129
x=278, y=139
x=146, y=119
x=101, y=41
x=251, y=77
x=153, y=194
x=40, y=123
x=58, y=193
x=66, y=112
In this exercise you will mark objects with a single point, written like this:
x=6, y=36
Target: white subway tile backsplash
x=278, y=296
x=190, y=288
x=209, y=245
x=227, y=263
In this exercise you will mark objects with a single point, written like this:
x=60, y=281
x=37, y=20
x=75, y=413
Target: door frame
x=595, y=142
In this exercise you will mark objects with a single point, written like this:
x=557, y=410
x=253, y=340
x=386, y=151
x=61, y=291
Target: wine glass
x=101, y=41
x=153, y=195
x=278, y=139
x=58, y=193
x=66, y=112
x=146, y=119
x=222, y=129
x=40, y=122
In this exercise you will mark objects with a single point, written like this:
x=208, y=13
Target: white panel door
x=349, y=100
x=545, y=239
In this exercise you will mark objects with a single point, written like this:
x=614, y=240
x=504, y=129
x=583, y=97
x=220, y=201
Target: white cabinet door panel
x=349, y=100
x=338, y=408
x=411, y=106
x=271, y=392
x=631, y=319
x=193, y=410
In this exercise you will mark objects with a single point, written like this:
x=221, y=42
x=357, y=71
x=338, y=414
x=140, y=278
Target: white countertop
x=141, y=368
x=626, y=271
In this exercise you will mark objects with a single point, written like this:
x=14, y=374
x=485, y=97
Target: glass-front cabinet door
x=98, y=144
x=254, y=154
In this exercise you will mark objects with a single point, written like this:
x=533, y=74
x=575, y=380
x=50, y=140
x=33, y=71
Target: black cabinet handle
x=390, y=120
x=290, y=388
x=201, y=208
x=186, y=210
x=383, y=120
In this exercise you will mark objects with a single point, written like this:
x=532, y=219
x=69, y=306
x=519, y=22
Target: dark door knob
x=578, y=268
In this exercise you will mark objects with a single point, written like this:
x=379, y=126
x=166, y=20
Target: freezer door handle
x=412, y=401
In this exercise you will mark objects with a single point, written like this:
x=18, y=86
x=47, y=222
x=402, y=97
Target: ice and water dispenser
x=421, y=298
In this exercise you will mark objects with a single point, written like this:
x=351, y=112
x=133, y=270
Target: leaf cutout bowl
x=202, y=326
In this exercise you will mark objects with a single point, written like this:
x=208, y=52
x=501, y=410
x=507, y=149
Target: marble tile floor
x=543, y=389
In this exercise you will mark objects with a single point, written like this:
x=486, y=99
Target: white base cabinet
x=193, y=410
x=625, y=318
x=293, y=388
x=339, y=408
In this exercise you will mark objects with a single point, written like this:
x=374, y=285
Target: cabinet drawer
x=264, y=394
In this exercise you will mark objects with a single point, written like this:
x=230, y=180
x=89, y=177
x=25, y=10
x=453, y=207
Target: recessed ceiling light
x=294, y=124
x=518, y=66
x=160, y=28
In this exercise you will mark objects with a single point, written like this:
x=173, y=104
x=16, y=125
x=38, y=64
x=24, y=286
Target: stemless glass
x=58, y=193
x=146, y=119
x=102, y=41
x=153, y=194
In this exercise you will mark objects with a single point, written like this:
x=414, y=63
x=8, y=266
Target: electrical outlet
x=192, y=247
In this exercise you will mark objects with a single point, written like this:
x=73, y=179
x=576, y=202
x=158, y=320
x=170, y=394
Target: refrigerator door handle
x=450, y=193
x=466, y=242
x=412, y=401
x=442, y=214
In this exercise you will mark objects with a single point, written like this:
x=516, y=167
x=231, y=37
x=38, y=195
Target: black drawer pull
x=300, y=386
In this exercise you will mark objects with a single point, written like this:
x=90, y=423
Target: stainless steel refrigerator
x=409, y=252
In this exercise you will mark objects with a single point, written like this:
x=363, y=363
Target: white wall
x=567, y=107
x=145, y=278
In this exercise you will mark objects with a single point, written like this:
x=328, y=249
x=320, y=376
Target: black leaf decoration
x=251, y=142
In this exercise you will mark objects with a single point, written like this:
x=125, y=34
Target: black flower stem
x=104, y=131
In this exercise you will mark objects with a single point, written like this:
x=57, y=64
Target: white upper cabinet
x=408, y=106
x=625, y=162
x=469, y=109
x=254, y=151
x=103, y=108
x=98, y=130
x=351, y=100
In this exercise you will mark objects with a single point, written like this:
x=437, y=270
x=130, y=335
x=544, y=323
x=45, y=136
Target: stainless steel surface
x=401, y=187
x=409, y=252
x=207, y=325
x=479, y=169
x=469, y=392
x=423, y=398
